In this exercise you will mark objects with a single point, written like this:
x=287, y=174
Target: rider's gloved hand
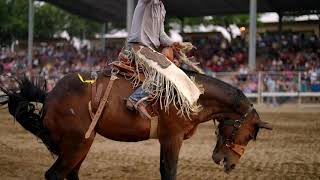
x=186, y=46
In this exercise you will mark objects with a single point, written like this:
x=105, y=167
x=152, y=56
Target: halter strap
x=230, y=143
x=237, y=148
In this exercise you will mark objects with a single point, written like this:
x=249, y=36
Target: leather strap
x=101, y=106
x=93, y=90
x=96, y=99
x=237, y=148
x=90, y=110
x=128, y=71
x=153, y=128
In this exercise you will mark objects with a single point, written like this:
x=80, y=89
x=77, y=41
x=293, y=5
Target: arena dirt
x=290, y=151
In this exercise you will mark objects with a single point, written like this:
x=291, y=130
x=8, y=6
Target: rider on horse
x=164, y=80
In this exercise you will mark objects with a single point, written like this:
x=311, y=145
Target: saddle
x=126, y=68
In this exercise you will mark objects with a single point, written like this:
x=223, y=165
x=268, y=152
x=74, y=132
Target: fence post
x=259, y=88
x=30, y=32
x=299, y=88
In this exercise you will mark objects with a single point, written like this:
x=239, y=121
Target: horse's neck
x=223, y=93
x=220, y=100
x=214, y=110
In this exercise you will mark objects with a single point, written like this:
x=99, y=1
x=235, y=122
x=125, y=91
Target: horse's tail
x=23, y=106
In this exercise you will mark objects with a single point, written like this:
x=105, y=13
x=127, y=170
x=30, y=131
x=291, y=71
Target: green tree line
x=48, y=20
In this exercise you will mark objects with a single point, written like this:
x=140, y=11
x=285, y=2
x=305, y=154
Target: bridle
x=230, y=142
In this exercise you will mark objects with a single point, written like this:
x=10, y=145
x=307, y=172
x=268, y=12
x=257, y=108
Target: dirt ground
x=290, y=151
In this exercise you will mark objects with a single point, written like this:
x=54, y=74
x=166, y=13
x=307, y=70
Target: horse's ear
x=264, y=125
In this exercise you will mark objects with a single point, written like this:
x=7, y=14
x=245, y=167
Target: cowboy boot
x=130, y=104
x=140, y=107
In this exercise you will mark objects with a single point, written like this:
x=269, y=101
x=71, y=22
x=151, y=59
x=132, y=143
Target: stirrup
x=144, y=113
x=140, y=107
x=140, y=101
x=130, y=104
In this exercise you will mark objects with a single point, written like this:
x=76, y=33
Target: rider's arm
x=165, y=40
x=145, y=1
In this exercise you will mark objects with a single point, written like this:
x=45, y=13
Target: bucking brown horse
x=64, y=120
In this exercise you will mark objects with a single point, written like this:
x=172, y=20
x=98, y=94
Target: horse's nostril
x=216, y=160
x=232, y=166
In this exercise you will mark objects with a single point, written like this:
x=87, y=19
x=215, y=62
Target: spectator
x=271, y=85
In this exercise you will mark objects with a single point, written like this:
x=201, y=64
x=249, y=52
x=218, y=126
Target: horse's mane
x=222, y=91
x=211, y=79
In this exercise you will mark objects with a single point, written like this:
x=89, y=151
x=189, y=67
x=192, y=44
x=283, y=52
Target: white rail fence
x=284, y=87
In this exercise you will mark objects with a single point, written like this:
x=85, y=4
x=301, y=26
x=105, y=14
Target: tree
x=48, y=20
x=14, y=22
x=80, y=27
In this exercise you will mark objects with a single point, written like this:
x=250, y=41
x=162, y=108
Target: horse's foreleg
x=169, y=154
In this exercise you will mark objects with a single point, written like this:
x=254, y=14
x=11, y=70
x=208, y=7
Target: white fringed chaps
x=167, y=85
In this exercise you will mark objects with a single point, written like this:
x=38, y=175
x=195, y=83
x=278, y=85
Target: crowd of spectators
x=216, y=54
x=53, y=62
x=280, y=57
x=286, y=52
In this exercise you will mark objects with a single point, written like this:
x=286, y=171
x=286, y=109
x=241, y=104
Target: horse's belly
x=129, y=130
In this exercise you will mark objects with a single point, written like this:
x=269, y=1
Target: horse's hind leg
x=69, y=161
x=74, y=174
x=51, y=174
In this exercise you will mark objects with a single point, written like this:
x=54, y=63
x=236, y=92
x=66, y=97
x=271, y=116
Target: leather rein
x=230, y=142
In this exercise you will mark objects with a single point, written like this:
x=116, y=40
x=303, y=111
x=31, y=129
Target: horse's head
x=234, y=135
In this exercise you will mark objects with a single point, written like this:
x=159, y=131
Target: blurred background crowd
x=280, y=59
